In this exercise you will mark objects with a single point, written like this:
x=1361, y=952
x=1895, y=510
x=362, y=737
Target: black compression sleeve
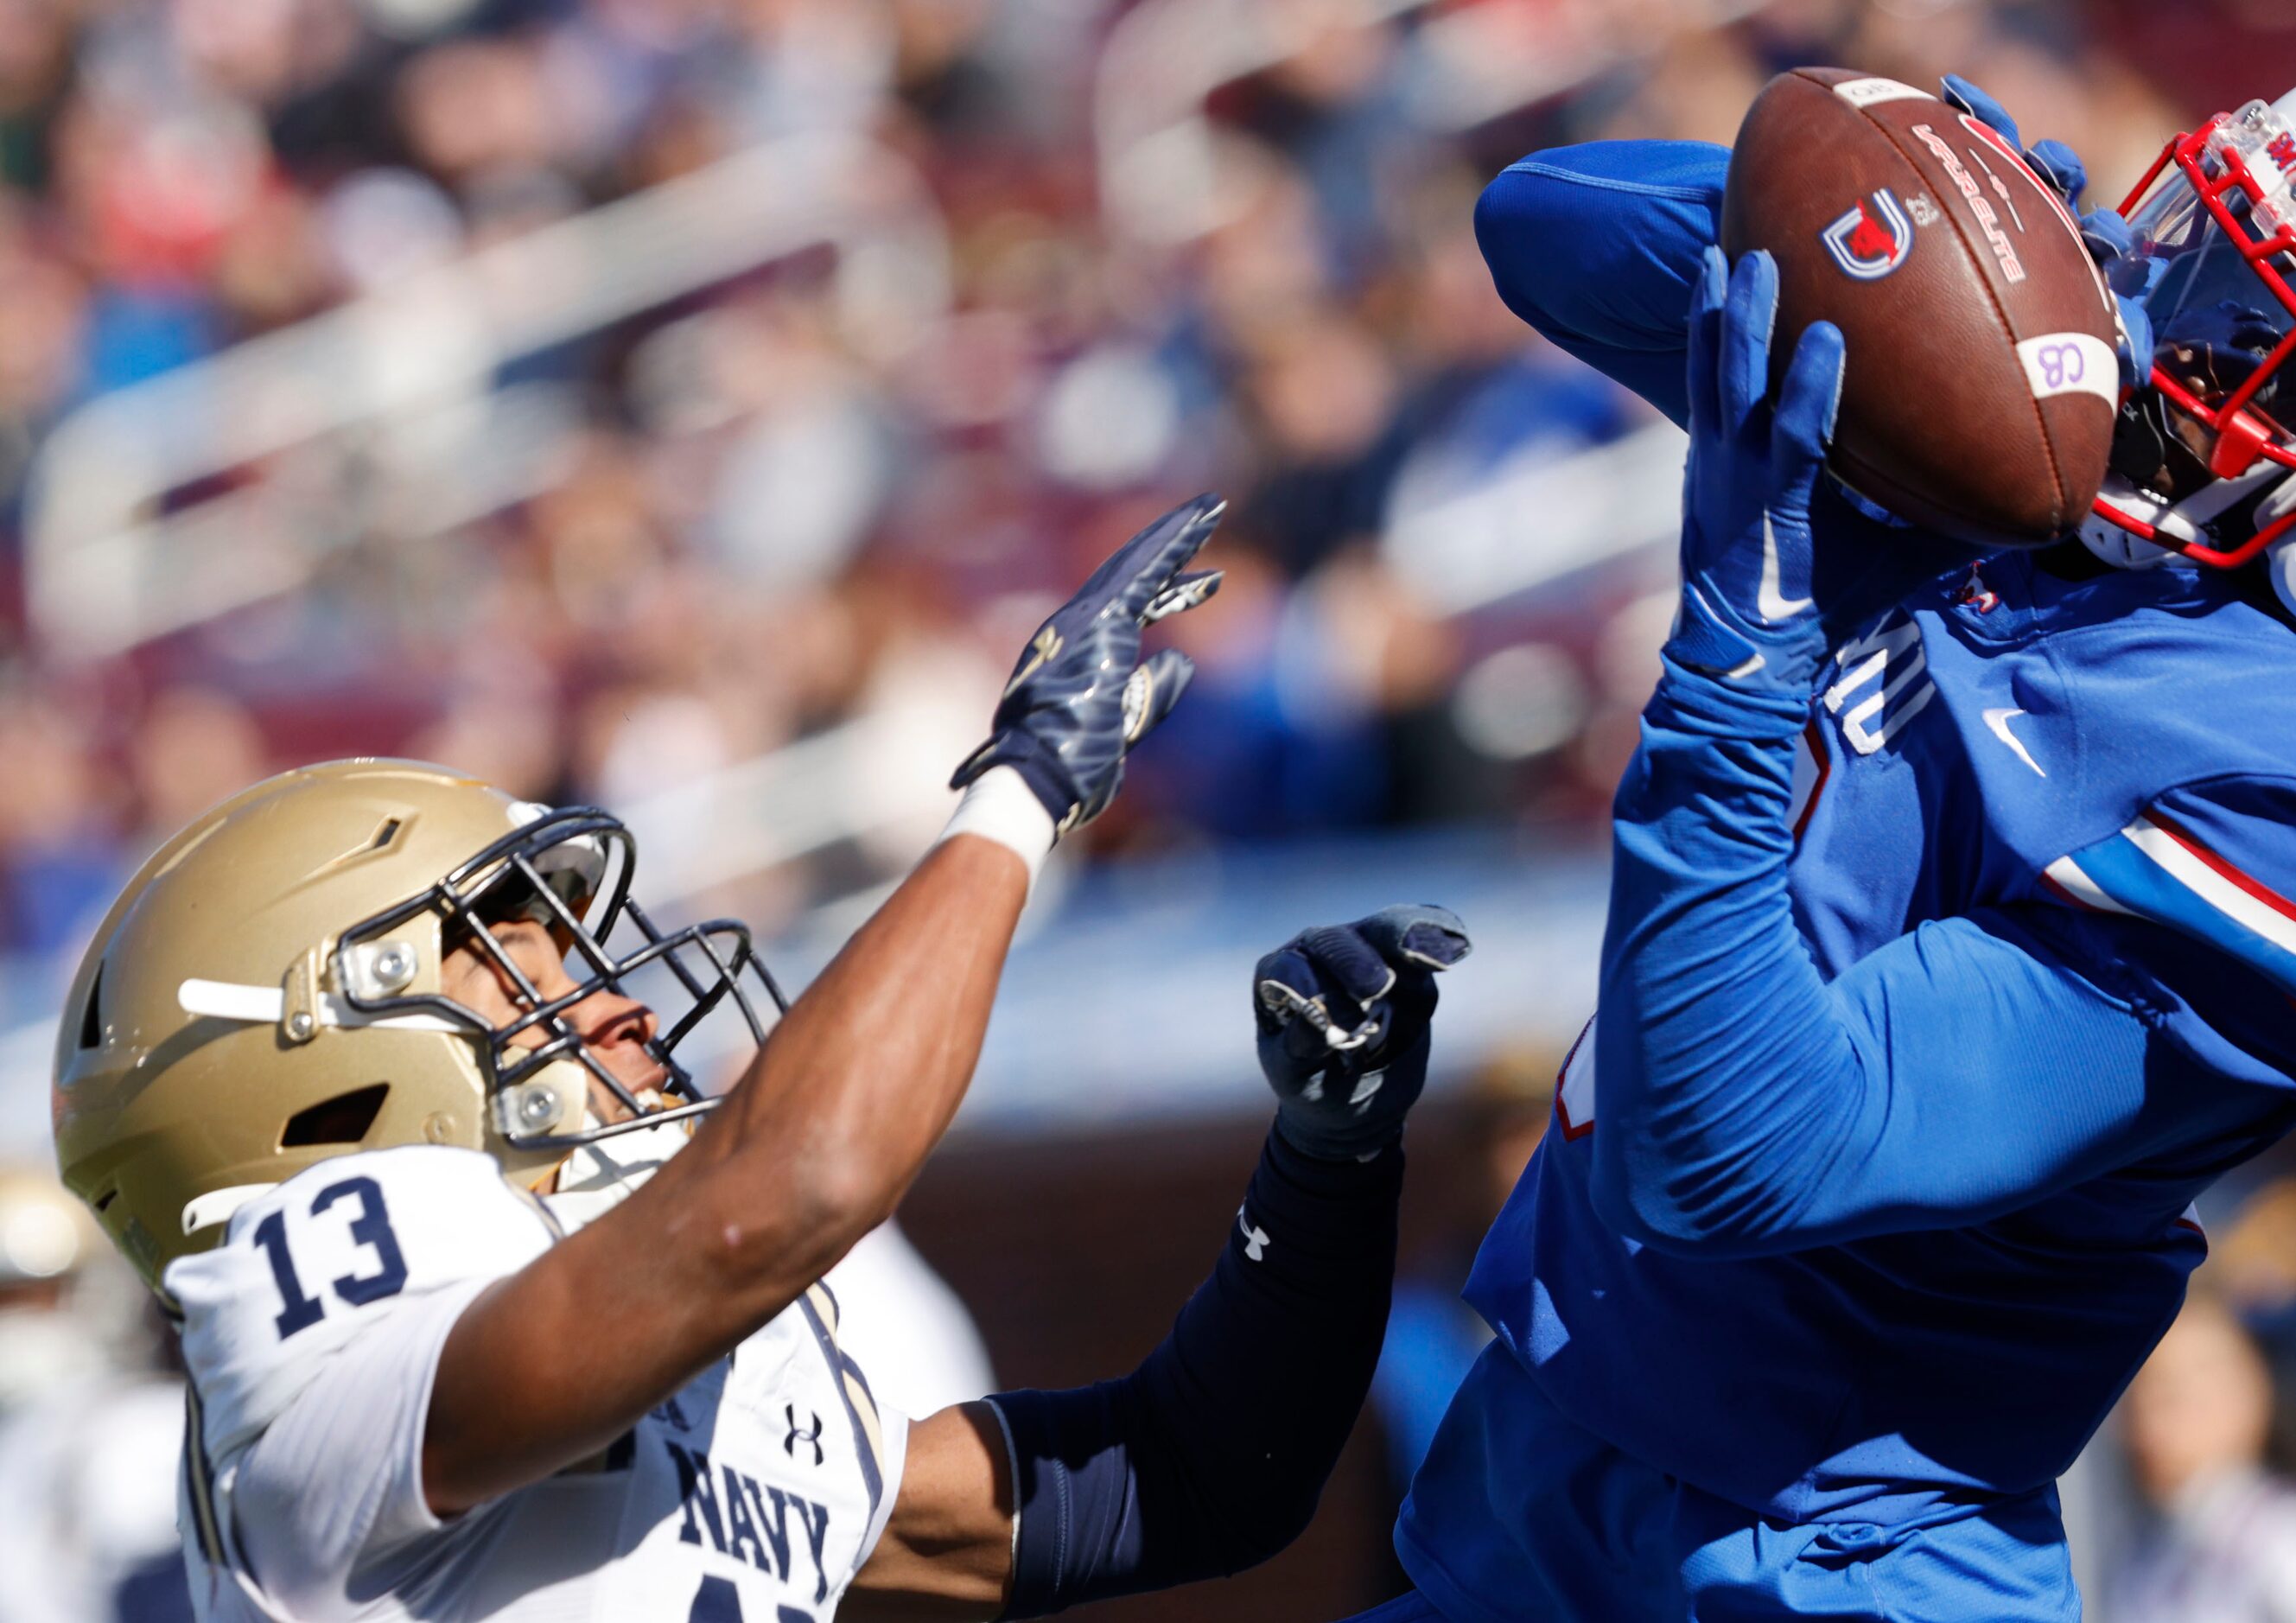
x=1210, y=1457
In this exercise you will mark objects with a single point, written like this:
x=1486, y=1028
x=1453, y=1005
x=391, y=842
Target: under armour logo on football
x=1255, y=1239
x=801, y=1434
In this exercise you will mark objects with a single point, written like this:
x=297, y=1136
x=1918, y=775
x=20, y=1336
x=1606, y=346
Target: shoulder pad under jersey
x=308, y=1264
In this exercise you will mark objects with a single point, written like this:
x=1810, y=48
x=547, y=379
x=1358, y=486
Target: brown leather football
x=1980, y=386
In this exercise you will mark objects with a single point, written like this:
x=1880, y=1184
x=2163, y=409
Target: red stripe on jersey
x=2049, y=884
x=2224, y=870
x=1821, y=759
x=1571, y=1131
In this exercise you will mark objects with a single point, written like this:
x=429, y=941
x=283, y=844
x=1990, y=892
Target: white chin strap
x=2187, y=521
x=2280, y=563
x=2117, y=547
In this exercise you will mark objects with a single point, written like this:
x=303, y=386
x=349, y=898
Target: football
x=1981, y=384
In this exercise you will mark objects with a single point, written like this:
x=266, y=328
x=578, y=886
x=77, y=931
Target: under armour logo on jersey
x=669, y=1414
x=800, y=1434
x=1255, y=1239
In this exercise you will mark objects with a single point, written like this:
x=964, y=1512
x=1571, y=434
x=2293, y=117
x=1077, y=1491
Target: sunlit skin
x=614, y=1028
x=810, y=1149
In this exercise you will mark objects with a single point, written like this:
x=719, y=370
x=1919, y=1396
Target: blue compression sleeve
x=1598, y=247
x=1747, y=1105
x=1210, y=1457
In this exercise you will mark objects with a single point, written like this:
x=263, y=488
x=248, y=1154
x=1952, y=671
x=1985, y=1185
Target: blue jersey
x=1929, y=1002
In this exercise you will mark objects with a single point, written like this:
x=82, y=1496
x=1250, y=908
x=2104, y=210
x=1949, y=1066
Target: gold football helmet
x=266, y=993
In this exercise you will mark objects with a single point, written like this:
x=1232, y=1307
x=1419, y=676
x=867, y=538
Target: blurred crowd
x=761, y=509
x=754, y=513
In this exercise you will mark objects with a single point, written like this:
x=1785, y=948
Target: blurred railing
x=1534, y=522
x=380, y=416
x=397, y=393
x=1158, y=158
x=1159, y=149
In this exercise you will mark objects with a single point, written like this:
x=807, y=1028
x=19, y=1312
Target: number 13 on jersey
x=369, y=1230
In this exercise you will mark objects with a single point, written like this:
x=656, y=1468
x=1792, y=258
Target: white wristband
x=999, y=805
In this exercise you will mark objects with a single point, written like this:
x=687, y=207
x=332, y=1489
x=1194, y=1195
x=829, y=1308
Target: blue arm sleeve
x=1210, y=1457
x=1746, y=1105
x=1598, y=246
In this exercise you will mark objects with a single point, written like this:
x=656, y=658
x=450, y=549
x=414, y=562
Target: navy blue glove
x=1343, y=1013
x=1748, y=614
x=1081, y=697
x=2103, y=230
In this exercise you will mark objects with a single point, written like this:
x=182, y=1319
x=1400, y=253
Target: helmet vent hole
x=343, y=1120
x=388, y=832
x=103, y=1202
x=91, y=1014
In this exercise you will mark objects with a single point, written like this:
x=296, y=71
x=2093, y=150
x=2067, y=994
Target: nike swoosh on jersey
x=1998, y=720
x=1774, y=605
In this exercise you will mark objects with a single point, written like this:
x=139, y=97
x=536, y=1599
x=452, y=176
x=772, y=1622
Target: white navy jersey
x=311, y=1336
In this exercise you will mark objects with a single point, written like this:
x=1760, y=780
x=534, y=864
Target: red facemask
x=2203, y=460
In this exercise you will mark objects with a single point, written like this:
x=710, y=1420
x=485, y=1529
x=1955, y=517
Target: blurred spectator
x=59, y=860
x=2221, y=1545
x=88, y=1432
x=195, y=749
x=649, y=553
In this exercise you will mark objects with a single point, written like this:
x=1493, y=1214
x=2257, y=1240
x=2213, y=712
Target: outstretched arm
x=1209, y=1458
x=1743, y=1103
x=816, y=1143
x=1598, y=247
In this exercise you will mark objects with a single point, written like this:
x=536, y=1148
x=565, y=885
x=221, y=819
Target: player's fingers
x=1153, y=690
x=1745, y=360
x=1284, y=983
x=1294, y=998
x=2061, y=167
x=1419, y=933
x=2106, y=235
x=1158, y=553
x=1706, y=301
x=2135, y=348
x=1187, y=590
x=1351, y=963
x=1808, y=402
x=1980, y=106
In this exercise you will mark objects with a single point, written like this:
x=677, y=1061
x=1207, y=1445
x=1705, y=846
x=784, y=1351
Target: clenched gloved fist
x=1081, y=698
x=1343, y=1014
